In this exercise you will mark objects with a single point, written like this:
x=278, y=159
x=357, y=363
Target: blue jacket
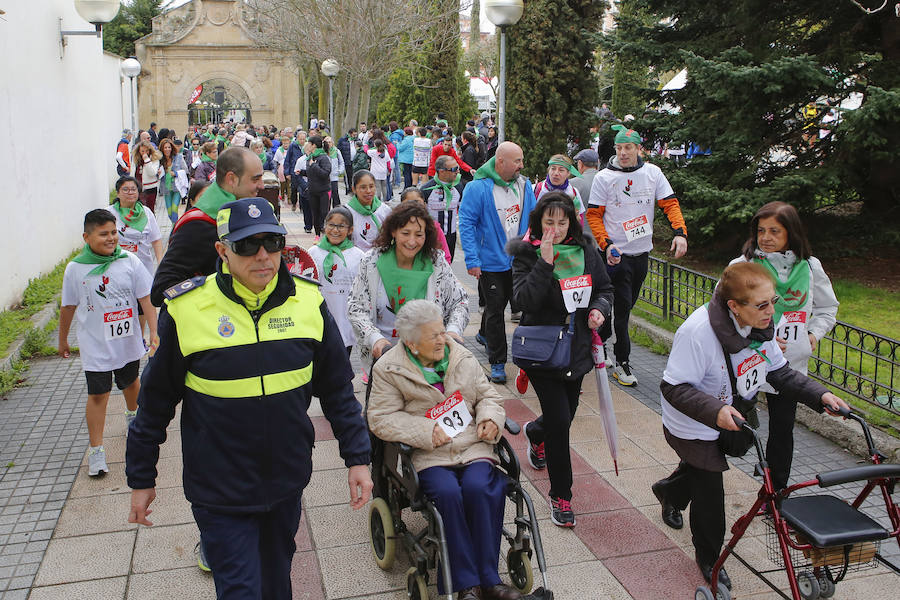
x=405, y=150
x=480, y=231
x=290, y=159
x=396, y=136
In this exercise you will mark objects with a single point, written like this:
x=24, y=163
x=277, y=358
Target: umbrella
x=604, y=395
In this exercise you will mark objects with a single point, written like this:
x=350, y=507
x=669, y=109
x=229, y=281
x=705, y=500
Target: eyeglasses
x=763, y=305
x=128, y=190
x=336, y=226
x=250, y=246
x=453, y=170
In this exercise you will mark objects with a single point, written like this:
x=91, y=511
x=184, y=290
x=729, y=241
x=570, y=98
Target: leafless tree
x=368, y=38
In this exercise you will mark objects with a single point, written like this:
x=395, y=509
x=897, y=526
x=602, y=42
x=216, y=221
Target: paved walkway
x=64, y=535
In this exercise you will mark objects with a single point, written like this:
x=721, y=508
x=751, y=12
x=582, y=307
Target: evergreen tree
x=551, y=83
x=761, y=76
x=132, y=22
x=442, y=65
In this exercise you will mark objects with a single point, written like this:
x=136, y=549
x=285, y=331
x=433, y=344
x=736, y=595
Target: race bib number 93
x=452, y=414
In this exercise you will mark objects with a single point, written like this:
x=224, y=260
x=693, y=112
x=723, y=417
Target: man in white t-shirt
x=620, y=212
x=103, y=287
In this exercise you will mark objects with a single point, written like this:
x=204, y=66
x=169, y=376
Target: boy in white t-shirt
x=103, y=287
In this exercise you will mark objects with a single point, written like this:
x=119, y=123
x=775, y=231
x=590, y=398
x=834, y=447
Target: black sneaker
x=561, y=512
x=536, y=457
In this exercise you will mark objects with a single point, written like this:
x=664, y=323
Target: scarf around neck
x=135, y=217
x=213, y=199
x=487, y=171
x=333, y=251
x=366, y=211
x=793, y=294
x=727, y=333
x=447, y=187
x=317, y=152
x=404, y=284
x=433, y=374
x=89, y=257
x=568, y=260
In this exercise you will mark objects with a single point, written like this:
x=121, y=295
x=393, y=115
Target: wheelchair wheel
x=415, y=585
x=520, y=572
x=826, y=587
x=382, y=534
x=809, y=585
x=703, y=593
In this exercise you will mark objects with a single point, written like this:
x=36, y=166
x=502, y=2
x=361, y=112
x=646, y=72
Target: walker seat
x=827, y=521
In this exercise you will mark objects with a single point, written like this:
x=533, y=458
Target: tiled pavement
x=64, y=535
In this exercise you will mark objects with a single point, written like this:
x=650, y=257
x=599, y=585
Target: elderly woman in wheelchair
x=430, y=393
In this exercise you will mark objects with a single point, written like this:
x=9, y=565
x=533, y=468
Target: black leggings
x=318, y=204
x=705, y=493
x=559, y=401
x=335, y=195
x=627, y=277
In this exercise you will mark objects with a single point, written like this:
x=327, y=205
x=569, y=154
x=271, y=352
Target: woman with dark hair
x=147, y=170
x=405, y=263
x=805, y=312
x=558, y=275
x=318, y=175
x=172, y=164
x=733, y=334
x=195, y=191
x=469, y=155
x=491, y=144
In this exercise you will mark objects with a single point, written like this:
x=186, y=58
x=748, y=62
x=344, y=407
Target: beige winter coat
x=400, y=398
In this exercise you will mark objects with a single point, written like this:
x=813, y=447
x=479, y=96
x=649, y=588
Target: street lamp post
x=503, y=13
x=95, y=12
x=330, y=69
x=131, y=68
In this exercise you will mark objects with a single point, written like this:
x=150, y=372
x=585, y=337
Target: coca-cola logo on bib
x=117, y=316
x=749, y=364
x=795, y=317
x=576, y=282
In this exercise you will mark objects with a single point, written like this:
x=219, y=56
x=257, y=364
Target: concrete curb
x=39, y=320
x=846, y=434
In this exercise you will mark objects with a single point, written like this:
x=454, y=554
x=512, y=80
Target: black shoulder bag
x=737, y=443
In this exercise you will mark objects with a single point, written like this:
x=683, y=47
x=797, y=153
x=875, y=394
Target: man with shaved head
x=494, y=210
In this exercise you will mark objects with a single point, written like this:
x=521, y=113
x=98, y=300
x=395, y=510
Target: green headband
x=626, y=136
x=562, y=163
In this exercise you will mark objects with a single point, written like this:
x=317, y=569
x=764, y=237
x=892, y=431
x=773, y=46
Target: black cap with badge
x=240, y=219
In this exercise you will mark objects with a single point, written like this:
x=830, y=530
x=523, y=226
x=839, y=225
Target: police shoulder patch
x=184, y=287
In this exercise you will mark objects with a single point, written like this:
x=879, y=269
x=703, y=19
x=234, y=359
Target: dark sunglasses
x=763, y=305
x=250, y=246
x=453, y=170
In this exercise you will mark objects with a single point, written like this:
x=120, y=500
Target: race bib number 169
x=118, y=324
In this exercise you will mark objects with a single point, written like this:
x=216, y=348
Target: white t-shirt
x=336, y=286
x=364, y=228
x=508, y=202
x=109, y=336
x=421, y=151
x=630, y=200
x=379, y=166
x=570, y=191
x=139, y=242
x=444, y=217
x=697, y=358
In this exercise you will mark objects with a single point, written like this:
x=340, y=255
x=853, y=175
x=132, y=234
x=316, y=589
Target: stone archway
x=221, y=99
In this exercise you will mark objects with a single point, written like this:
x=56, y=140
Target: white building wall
x=60, y=121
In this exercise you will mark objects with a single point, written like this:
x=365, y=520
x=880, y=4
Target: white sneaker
x=130, y=416
x=623, y=374
x=608, y=352
x=97, y=461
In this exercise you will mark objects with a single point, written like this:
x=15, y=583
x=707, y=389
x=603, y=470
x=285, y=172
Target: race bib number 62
x=750, y=374
x=452, y=414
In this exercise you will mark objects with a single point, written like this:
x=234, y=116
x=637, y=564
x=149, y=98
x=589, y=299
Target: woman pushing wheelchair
x=430, y=392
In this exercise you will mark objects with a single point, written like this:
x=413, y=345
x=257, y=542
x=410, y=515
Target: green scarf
x=220, y=138
x=447, y=187
x=487, y=171
x=205, y=158
x=793, y=293
x=404, y=284
x=332, y=252
x=134, y=217
x=434, y=374
x=262, y=157
x=317, y=152
x=568, y=260
x=89, y=257
x=333, y=152
x=561, y=163
x=366, y=211
x=213, y=199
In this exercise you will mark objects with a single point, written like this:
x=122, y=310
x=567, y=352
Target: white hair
x=413, y=315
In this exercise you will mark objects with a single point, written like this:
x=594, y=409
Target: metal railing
x=861, y=363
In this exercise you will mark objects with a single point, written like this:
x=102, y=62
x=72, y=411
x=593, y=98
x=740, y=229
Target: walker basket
x=856, y=557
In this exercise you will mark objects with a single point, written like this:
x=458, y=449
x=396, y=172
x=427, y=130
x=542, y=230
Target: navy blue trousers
x=470, y=499
x=250, y=554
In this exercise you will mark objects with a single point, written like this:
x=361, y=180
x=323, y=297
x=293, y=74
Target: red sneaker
x=522, y=382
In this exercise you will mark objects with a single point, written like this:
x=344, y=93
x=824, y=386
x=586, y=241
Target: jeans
x=407, y=174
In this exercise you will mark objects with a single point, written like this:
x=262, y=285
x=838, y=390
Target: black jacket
x=343, y=146
x=538, y=296
x=470, y=157
x=191, y=252
x=318, y=174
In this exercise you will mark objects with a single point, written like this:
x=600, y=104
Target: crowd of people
x=239, y=338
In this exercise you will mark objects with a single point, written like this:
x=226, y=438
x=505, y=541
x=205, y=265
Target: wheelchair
x=816, y=539
x=396, y=487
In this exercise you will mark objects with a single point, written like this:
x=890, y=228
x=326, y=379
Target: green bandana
x=205, y=158
x=446, y=187
x=626, y=136
x=333, y=251
x=404, y=284
x=568, y=260
x=89, y=257
x=793, y=293
x=333, y=152
x=317, y=152
x=220, y=138
x=134, y=217
x=433, y=374
x=561, y=163
x=366, y=211
x=487, y=171
x=213, y=199
x=262, y=157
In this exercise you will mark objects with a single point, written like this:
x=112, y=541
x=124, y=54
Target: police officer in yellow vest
x=246, y=349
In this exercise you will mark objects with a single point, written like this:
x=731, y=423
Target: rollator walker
x=817, y=539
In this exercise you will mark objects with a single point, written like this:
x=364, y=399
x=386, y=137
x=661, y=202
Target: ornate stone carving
x=219, y=14
x=171, y=26
x=261, y=71
x=175, y=74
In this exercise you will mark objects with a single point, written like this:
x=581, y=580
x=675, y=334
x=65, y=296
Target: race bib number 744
x=637, y=228
x=452, y=414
